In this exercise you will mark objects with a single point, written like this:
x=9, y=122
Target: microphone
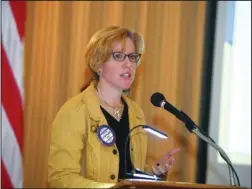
x=137, y=173
x=158, y=100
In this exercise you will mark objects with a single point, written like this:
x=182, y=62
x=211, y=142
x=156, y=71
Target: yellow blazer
x=77, y=159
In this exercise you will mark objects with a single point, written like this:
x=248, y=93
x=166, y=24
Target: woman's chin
x=126, y=87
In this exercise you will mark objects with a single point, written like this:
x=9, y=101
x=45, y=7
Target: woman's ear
x=98, y=69
x=99, y=72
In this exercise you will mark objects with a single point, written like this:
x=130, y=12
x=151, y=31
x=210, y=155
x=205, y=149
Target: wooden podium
x=145, y=184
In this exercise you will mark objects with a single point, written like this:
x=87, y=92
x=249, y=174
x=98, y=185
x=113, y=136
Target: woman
x=89, y=131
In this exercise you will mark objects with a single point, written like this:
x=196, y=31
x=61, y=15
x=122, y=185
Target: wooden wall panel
x=57, y=33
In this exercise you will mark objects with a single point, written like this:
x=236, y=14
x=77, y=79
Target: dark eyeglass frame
x=126, y=55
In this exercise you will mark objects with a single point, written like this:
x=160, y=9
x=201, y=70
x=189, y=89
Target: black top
x=121, y=129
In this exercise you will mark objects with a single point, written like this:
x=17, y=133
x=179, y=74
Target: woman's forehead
x=126, y=45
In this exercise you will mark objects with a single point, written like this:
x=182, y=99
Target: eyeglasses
x=119, y=56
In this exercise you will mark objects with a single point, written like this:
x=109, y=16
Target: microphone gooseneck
x=137, y=173
x=125, y=150
x=158, y=100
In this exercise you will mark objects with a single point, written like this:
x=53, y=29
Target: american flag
x=12, y=96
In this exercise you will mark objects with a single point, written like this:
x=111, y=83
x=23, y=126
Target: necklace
x=116, y=111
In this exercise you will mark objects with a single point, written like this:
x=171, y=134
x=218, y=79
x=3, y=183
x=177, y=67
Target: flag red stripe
x=5, y=180
x=18, y=11
x=11, y=99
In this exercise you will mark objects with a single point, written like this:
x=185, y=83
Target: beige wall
x=56, y=36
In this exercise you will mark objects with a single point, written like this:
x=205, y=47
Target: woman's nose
x=128, y=63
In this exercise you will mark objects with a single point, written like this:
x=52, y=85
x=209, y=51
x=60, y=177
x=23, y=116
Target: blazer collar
x=92, y=102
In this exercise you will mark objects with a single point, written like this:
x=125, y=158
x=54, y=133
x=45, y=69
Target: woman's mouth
x=126, y=75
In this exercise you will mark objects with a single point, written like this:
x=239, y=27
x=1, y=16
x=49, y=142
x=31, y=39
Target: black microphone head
x=157, y=98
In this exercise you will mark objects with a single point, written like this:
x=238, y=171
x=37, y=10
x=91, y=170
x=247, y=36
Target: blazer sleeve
x=68, y=131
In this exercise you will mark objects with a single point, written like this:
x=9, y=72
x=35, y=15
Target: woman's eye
x=118, y=55
x=133, y=57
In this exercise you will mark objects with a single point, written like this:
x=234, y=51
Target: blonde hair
x=100, y=46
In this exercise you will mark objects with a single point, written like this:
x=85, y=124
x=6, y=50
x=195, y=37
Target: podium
x=148, y=184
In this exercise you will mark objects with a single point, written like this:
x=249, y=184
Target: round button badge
x=106, y=135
